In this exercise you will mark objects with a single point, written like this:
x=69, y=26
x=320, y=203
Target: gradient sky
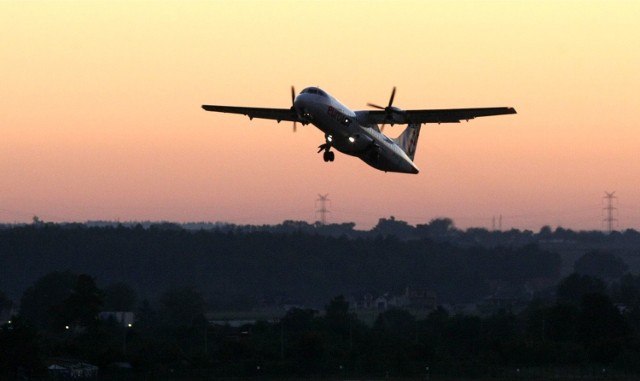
x=100, y=114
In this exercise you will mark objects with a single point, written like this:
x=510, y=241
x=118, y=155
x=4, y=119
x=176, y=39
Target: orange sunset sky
x=100, y=114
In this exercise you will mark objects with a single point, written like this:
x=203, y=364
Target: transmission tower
x=323, y=200
x=609, y=209
x=493, y=223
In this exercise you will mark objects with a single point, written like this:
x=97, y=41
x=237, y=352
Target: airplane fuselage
x=345, y=132
x=356, y=133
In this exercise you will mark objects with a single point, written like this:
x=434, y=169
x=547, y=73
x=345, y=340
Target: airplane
x=357, y=133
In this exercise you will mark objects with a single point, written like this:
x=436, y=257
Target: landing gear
x=328, y=155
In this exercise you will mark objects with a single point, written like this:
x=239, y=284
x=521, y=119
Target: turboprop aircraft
x=356, y=133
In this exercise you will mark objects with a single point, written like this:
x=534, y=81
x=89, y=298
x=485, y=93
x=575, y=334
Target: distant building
x=125, y=318
x=381, y=303
x=65, y=369
x=414, y=299
x=421, y=299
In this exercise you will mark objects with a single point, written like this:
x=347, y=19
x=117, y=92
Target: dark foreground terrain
x=163, y=302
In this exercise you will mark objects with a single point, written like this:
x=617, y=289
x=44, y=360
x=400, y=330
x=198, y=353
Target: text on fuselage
x=338, y=116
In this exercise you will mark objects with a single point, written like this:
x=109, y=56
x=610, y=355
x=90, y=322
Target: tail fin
x=409, y=139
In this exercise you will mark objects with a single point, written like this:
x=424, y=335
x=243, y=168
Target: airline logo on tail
x=409, y=139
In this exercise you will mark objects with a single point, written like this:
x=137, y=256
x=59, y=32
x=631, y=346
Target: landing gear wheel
x=327, y=155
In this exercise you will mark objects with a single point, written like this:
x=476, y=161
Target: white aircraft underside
x=356, y=133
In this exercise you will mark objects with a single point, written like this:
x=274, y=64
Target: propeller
x=293, y=98
x=389, y=110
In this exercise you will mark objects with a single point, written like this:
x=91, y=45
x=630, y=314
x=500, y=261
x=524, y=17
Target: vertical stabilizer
x=409, y=139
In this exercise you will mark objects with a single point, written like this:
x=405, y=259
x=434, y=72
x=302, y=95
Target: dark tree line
x=244, y=269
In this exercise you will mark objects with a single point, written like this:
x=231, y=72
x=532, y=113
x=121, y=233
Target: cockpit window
x=314, y=90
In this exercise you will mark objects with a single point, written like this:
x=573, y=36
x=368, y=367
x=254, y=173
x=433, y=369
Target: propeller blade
x=389, y=110
x=393, y=95
x=293, y=107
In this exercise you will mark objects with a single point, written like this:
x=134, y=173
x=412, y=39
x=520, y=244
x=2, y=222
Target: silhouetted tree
x=298, y=320
x=146, y=318
x=437, y=229
x=600, y=264
x=392, y=227
x=564, y=234
x=82, y=306
x=627, y=290
x=397, y=323
x=119, y=297
x=41, y=302
x=337, y=315
x=394, y=342
x=545, y=232
x=19, y=349
x=535, y=316
x=572, y=288
x=601, y=328
x=309, y=351
x=561, y=323
x=182, y=307
x=5, y=303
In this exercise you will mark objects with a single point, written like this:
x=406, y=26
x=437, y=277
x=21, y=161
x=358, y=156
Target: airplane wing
x=454, y=115
x=278, y=114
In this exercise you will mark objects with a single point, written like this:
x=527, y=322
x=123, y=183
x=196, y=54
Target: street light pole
x=124, y=336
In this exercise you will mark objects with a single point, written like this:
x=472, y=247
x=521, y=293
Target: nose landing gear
x=328, y=155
